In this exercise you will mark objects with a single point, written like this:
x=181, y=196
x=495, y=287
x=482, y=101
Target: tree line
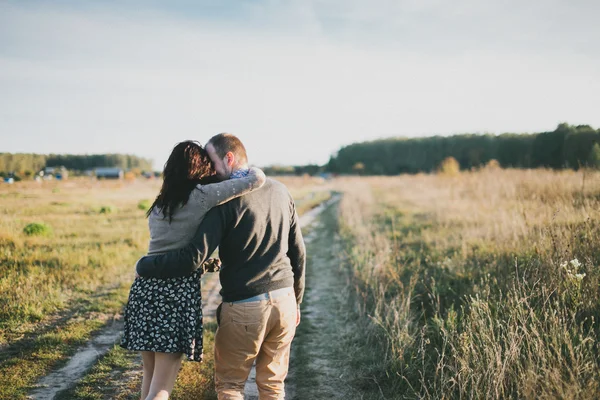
x=28, y=164
x=309, y=169
x=566, y=147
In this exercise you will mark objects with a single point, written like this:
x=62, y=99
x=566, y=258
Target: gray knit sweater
x=165, y=235
x=260, y=246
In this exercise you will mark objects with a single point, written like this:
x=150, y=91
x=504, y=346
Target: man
x=262, y=275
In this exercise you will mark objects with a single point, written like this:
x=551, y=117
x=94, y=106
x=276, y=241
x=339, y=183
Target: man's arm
x=184, y=261
x=297, y=254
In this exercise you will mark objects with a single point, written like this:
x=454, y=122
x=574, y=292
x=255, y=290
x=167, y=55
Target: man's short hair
x=226, y=142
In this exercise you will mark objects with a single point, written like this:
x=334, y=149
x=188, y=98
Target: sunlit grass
x=464, y=279
x=34, y=353
x=87, y=251
x=68, y=283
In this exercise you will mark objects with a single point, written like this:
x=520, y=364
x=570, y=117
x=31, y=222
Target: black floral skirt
x=165, y=316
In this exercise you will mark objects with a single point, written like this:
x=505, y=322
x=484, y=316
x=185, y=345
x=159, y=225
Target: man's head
x=227, y=153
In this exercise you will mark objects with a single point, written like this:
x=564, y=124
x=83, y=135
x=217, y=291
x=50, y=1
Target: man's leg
x=274, y=356
x=237, y=342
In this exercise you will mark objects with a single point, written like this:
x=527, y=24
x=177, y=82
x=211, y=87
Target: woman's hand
x=261, y=178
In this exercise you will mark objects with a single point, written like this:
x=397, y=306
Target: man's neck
x=239, y=171
x=240, y=168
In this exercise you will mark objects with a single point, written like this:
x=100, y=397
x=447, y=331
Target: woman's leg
x=166, y=368
x=148, y=364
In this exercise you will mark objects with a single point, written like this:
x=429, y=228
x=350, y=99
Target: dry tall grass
x=483, y=285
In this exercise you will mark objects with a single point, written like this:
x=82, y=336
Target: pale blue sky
x=295, y=80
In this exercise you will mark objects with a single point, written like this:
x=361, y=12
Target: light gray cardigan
x=165, y=235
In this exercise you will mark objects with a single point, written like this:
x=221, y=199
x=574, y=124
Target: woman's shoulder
x=202, y=190
x=197, y=198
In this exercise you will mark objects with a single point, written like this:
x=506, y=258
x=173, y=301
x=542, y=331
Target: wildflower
x=575, y=263
x=580, y=277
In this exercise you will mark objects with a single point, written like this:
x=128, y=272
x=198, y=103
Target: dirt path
x=79, y=363
x=319, y=361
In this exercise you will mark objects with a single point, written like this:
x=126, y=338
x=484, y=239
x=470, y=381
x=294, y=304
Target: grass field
x=482, y=285
x=62, y=282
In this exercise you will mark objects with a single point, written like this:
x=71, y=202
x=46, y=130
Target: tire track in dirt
x=50, y=385
x=319, y=359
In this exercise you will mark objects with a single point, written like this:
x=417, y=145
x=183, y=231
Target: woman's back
x=172, y=234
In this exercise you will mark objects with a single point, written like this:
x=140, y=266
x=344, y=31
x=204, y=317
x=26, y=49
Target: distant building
x=109, y=173
x=59, y=173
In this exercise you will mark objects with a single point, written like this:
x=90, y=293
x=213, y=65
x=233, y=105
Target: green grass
x=37, y=229
x=36, y=351
x=106, y=210
x=144, y=205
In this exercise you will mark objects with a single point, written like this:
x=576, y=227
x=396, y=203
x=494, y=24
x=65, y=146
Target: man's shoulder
x=276, y=184
x=271, y=189
x=276, y=187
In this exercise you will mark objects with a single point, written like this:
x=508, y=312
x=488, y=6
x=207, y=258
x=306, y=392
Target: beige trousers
x=260, y=331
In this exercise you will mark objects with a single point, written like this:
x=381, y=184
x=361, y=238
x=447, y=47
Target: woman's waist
x=163, y=245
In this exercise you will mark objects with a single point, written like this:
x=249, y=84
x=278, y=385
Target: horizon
x=137, y=77
x=318, y=164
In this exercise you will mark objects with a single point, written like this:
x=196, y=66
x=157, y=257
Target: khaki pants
x=261, y=331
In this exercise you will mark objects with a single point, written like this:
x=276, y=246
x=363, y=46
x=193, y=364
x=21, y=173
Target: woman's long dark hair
x=187, y=166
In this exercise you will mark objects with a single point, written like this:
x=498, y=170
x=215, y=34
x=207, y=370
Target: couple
x=211, y=198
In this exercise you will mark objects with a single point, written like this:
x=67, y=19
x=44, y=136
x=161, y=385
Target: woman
x=163, y=317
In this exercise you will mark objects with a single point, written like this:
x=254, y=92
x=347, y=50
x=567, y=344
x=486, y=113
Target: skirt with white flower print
x=165, y=316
